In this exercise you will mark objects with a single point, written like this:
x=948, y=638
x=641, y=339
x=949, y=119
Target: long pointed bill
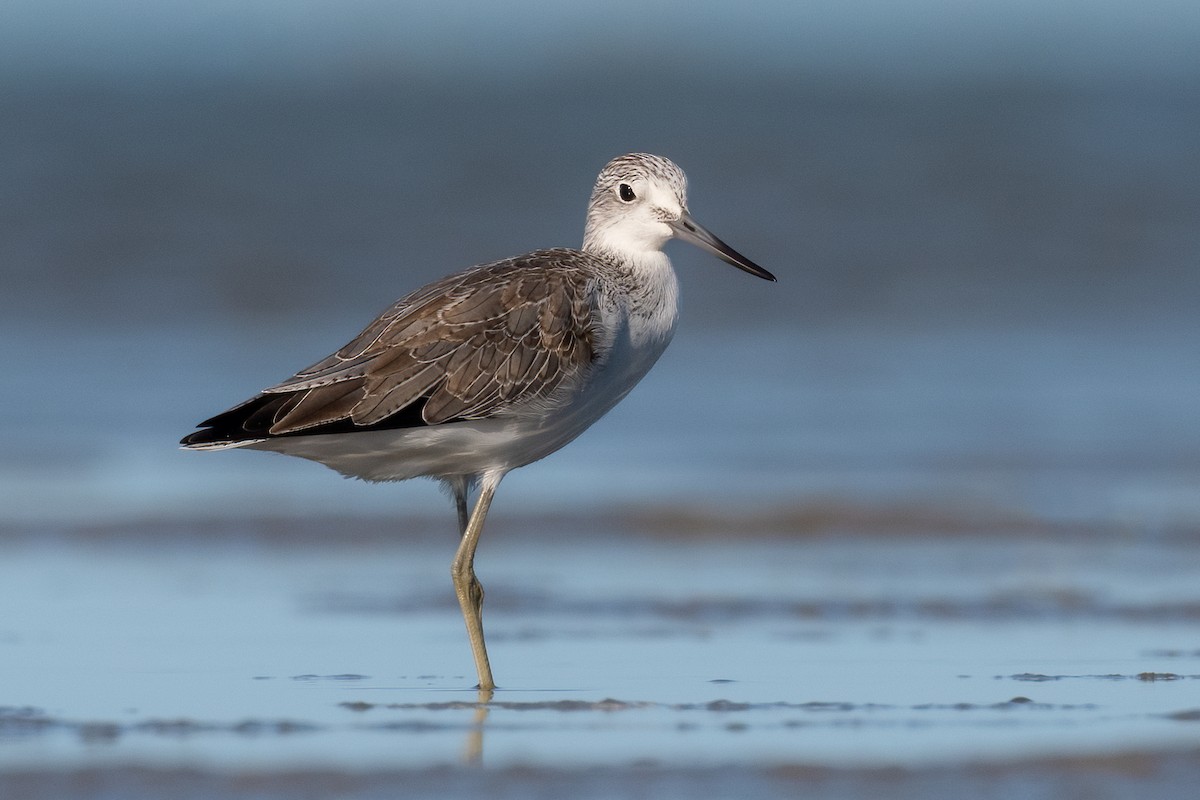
x=689, y=230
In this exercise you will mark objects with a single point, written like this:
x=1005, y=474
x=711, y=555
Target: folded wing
x=471, y=346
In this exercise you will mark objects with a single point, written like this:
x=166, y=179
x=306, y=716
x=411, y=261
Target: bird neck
x=623, y=242
x=646, y=291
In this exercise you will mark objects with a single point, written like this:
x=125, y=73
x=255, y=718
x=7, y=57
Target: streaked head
x=639, y=202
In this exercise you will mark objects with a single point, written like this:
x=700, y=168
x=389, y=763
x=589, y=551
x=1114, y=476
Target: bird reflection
x=473, y=749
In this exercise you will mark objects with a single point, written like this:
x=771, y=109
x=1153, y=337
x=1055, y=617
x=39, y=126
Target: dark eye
x=626, y=193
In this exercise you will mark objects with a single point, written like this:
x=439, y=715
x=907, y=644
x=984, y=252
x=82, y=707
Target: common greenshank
x=494, y=367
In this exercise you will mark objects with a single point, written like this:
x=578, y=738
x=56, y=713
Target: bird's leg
x=467, y=586
x=460, y=505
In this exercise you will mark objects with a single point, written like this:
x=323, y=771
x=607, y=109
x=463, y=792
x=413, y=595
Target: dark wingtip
x=252, y=421
x=237, y=424
x=199, y=438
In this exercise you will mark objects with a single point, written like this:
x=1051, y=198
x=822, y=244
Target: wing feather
x=469, y=346
x=318, y=406
x=394, y=393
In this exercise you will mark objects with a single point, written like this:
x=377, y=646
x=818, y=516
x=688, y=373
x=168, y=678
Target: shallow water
x=857, y=653
x=959, y=429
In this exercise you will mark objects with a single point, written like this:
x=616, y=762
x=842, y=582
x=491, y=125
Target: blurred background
x=983, y=217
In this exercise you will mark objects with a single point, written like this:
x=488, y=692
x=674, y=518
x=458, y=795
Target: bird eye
x=626, y=193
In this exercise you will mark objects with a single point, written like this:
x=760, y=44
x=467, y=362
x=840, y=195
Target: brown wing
x=466, y=347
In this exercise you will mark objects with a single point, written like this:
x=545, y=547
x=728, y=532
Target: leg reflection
x=473, y=751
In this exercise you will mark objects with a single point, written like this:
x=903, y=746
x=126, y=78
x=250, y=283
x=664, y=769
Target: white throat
x=626, y=243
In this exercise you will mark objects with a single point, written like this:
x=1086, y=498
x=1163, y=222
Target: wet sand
x=630, y=663
x=1102, y=777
